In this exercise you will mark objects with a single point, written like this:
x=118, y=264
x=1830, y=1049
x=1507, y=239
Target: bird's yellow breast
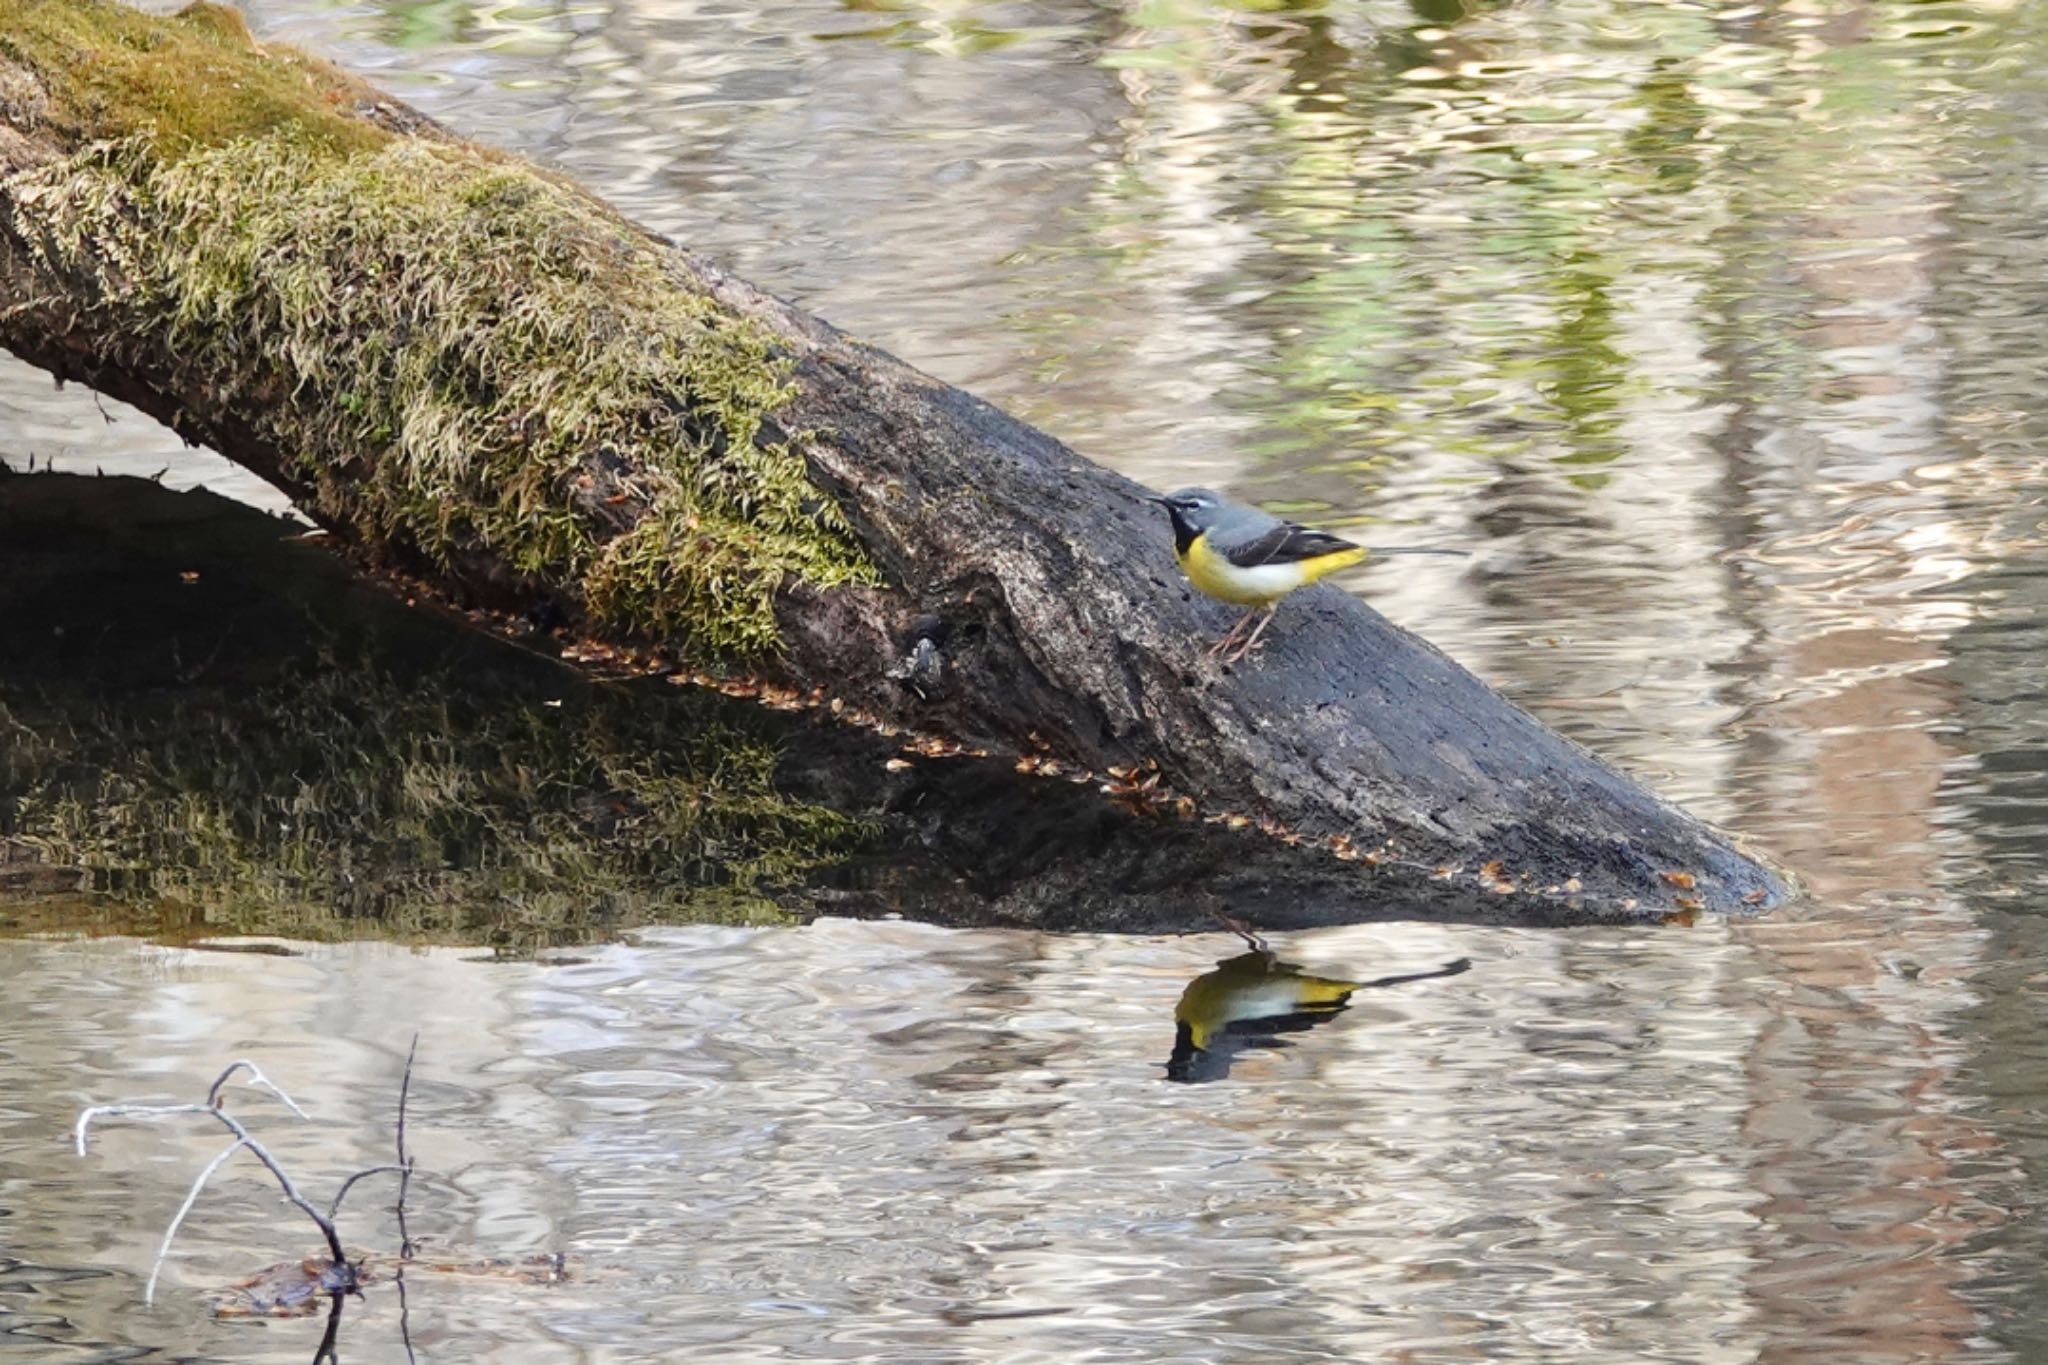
x=1262, y=583
x=1254, y=986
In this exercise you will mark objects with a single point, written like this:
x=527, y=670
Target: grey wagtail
x=1250, y=1000
x=1239, y=554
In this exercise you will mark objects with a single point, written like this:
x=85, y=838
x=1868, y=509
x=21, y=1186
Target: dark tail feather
x=1463, y=964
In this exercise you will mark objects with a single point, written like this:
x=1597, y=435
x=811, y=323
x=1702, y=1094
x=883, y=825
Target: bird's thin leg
x=1230, y=637
x=1242, y=930
x=1253, y=642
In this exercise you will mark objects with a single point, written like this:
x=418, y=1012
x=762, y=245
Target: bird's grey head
x=1194, y=510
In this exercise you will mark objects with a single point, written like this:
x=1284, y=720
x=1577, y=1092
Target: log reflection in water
x=219, y=731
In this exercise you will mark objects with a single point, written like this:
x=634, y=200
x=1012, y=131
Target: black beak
x=1163, y=502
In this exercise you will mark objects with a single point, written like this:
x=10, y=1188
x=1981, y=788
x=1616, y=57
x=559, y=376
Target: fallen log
x=481, y=375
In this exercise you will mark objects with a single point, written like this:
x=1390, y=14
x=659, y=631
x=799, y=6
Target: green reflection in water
x=523, y=29
x=1462, y=233
x=270, y=747
x=344, y=798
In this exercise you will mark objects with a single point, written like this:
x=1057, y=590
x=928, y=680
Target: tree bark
x=836, y=520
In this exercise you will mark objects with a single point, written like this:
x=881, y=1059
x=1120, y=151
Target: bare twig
x=1242, y=930
x=178, y=1219
x=325, y=1353
x=405, y=1246
x=215, y=1108
x=404, y=1314
x=334, y=1209
x=86, y=1116
x=233, y=1125
x=256, y=1077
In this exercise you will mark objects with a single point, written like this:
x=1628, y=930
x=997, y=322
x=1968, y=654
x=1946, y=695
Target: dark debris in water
x=290, y=1289
x=297, y=1289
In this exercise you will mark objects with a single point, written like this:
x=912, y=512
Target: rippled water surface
x=1715, y=330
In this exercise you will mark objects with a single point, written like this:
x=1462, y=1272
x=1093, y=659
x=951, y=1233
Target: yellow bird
x=1241, y=555
x=1249, y=1000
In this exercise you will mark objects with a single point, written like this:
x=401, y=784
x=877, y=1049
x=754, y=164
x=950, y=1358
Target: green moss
x=193, y=79
x=460, y=354
x=339, y=803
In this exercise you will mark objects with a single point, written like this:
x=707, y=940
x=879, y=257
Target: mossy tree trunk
x=479, y=373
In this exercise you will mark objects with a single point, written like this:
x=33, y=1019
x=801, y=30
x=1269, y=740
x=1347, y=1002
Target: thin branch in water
x=257, y=1078
x=334, y=1209
x=404, y=1314
x=342, y=1277
x=85, y=1116
x=233, y=1125
x=326, y=1352
x=178, y=1219
x=405, y=1246
x=215, y=1108
x=291, y=1191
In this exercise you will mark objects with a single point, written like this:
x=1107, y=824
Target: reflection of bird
x=1250, y=999
x=1252, y=558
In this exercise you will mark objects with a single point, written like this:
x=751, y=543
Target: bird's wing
x=1285, y=543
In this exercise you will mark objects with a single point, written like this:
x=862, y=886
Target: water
x=1713, y=328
